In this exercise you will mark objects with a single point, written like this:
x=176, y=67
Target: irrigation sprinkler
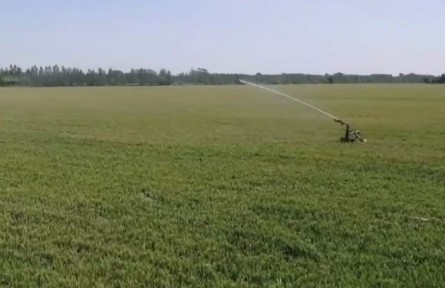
x=351, y=135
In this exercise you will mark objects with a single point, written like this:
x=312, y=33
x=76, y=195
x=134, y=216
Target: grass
x=221, y=187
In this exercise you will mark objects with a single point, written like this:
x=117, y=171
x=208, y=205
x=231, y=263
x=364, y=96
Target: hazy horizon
x=271, y=37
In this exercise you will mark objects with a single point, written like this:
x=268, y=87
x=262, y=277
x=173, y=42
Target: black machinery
x=351, y=135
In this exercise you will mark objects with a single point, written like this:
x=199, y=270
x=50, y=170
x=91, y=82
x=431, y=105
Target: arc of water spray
x=294, y=99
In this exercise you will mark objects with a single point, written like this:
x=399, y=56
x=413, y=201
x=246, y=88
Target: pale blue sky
x=248, y=36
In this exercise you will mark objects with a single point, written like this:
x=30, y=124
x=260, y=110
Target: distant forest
x=53, y=76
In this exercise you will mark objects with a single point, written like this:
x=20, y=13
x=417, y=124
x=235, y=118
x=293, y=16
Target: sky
x=227, y=36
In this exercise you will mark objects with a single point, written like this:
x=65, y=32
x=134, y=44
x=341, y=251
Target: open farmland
x=222, y=186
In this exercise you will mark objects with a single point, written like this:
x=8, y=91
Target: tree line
x=53, y=76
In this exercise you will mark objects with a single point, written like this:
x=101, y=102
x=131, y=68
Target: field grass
x=221, y=187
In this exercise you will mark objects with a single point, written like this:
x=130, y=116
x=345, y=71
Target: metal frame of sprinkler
x=350, y=136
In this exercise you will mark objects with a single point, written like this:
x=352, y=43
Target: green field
x=221, y=187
